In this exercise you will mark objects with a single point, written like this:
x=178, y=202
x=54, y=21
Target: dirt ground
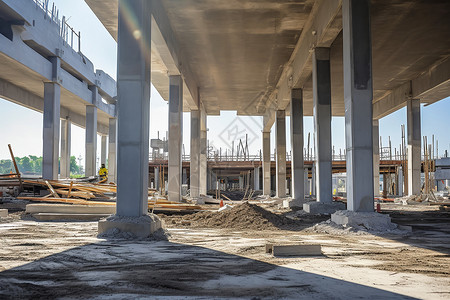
x=207, y=258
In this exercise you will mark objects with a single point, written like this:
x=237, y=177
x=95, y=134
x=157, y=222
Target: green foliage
x=33, y=165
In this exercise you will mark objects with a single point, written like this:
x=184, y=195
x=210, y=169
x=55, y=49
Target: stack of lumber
x=96, y=194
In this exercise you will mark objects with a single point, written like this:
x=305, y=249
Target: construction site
x=329, y=179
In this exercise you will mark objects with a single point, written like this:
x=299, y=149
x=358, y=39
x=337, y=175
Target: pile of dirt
x=242, y=216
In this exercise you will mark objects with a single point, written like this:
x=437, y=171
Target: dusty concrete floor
x=66, y=260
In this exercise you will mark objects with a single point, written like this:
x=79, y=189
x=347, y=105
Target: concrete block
x=290, y=203
x=3, y=213
x=319, y=208
x=141, y=227
x=68, y=217
x=368, y=220
x=69, y=209
x=294, y=250
x=443, y=162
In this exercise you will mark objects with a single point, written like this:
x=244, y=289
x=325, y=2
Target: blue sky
x=100, y=48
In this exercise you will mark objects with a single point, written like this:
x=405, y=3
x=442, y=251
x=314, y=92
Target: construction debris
x=294, y=250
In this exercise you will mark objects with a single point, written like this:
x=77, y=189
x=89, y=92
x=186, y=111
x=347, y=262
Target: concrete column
x=376, y=158
x=358, y=96
x=266, y=163
x=66, y=136
x=175, y=137
x=256, y=179
x=280, y=138
x=414, y=146
x=91, y=141
x=322, y=123
x=51, y=123
x=103, y=150
x=203, y=170
x=306, y=182
x=195, y=154
x=112, y=149
x=297, y=165
x=133, y=107
x=156, y=170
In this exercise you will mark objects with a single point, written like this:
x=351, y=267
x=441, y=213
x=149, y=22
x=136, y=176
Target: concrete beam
x=321, y=29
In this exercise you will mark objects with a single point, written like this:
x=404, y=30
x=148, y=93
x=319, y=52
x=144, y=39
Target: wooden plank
x=70, y=189
x=15, y=166
x=50, y=187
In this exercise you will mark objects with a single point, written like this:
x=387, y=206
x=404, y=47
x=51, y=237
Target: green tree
x=74, y=168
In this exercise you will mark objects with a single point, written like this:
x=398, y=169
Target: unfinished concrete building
x=357, y=59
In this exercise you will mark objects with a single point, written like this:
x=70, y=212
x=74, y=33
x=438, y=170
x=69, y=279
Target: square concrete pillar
x=376, y=158
x=414, y=146
x=175, y=137
x=256, y=179
x=103, y=150
x=280, y=139
x=194, y=178
x=266, y=163
x=91, y=141
x=66, y=137
x=297, y=165
x=322, y=123
x=112, y=150
x=203, y=168
x=133, y=107
x=358, y=96
x=51, y=127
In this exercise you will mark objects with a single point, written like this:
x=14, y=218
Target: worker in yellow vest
x=103, y=172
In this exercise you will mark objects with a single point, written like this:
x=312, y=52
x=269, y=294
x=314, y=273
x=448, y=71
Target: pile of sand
x=242, y=216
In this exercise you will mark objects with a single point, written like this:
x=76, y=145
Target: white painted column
x=358, y=95
x=266, y=162
x=133, y=107
x=297, y=165
x=414, y=146
x=280, y=138
x=376, y=158
x=322, y=123
x=91, y=141
x=66, y=136
x=195, y=154
x=112, y=150
x=175, y=137
x=51, y=124
x=203, y=170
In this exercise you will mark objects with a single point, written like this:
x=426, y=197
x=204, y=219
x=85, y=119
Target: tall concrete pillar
x=376, y=158
x=297, y=165
x=51, y=123
x=280, y=139
x=112, y=150
x=91, y=141
x=203, y=170
x=133, y=107
x=175, y=137
x=266, y=163
x=66, y=136
x=358, y=96
x=256, y=179
x=156, y=171
x=103, y=150
x=194, y=179
x=414, y=146
x=306, y=182
x=322, y=123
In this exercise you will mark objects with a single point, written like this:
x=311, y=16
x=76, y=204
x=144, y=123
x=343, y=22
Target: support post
x=203, y=171
x=256, y=186
x=103, y=150
x=112, y=150
x=266, y=163
x=91, y=141
x=297, y=164
x=322, y=123
x=194, y=178
x=376, y=158
x=414, y=146
x=280, y=138
x=358, y=96
x=66, y=125
x=51, y=124
x=175, y=137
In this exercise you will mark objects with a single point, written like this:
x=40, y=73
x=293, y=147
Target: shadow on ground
x=117, y=269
